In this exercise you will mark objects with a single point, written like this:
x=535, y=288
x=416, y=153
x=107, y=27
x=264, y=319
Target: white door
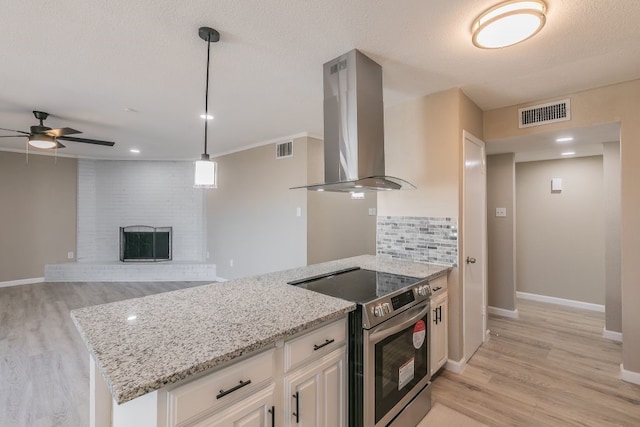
x=474, y=262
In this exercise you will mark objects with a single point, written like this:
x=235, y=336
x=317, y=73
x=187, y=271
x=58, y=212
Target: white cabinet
x=258, y=410
x=315, y=395
x=439, y=333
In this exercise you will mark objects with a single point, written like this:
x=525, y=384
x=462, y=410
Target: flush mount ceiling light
x=568, y=153
x=508, y=23
x=206, y=175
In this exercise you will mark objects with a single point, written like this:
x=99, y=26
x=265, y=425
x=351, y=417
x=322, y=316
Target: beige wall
x=423, y=144
x=615, y=103
x=501, y=193
x=560, y=247
x=337, y=226
x=612, y=268
x=38, y=212
x=251, y=216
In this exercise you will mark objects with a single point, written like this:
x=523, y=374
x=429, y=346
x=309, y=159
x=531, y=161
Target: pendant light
x=206, y=171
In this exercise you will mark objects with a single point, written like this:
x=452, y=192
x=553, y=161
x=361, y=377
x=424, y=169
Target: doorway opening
x=553, y=209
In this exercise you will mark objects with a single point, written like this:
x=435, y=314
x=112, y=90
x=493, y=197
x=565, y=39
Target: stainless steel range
x=388, y=344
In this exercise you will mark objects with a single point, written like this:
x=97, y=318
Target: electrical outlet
x=372, y=211
x=70, y=255
x=501, y=212
x=207, y=254
x=231, y=263
x=298, y=211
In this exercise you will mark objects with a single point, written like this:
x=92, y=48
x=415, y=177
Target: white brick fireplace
x=114, y=194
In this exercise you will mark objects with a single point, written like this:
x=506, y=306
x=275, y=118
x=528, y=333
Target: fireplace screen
x=143, y=243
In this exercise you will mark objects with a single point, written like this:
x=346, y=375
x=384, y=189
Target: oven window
x=399, y=366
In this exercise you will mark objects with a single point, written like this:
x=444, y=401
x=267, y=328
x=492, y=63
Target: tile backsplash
x=418, y=239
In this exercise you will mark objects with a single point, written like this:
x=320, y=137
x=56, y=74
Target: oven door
x=396, y=366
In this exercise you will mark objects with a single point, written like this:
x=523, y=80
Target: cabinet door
x=315, y=394
x=439, y=332
x=333, y=402
x=254, y=411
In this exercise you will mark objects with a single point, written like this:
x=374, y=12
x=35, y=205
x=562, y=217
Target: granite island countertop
x=143, y=344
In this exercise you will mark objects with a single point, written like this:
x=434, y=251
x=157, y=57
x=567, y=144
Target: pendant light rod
x=210, y=36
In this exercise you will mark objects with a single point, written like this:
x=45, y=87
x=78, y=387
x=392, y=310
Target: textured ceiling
x=85, y=62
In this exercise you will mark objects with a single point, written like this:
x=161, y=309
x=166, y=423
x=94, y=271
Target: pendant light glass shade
x=508, y=23
x=206, y=173
x=42, y=141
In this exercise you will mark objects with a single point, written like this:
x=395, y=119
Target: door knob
x=471, y=260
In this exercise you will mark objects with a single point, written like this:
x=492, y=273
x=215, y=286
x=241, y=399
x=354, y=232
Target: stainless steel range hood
x=354, y=128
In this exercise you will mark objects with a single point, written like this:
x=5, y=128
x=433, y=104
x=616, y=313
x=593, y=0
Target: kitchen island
x=143, y=345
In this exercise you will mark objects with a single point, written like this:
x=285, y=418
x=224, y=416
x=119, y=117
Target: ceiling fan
x=41, y=136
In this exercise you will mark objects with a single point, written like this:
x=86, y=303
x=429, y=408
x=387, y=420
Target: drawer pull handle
x=223, y=393
x=297, y=413
x=326, y=343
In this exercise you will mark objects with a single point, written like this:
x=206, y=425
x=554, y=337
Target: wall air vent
x=543, y=114
x=284, y=149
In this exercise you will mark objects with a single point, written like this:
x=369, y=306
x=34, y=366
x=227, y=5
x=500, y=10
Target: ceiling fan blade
x=88, y=141
x=13, y=130
x=61, y=132
x=14, y=136
x=59, y=144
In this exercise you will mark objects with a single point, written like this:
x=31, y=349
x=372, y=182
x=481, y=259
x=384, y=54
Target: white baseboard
x=457, y=367
x=561, y=301
x=221, y=279
x=612, y=335
x=630, y=376
x=512, y=314
x=21, y=282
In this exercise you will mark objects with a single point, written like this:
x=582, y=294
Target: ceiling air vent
x=284, y=149
x=552, y=112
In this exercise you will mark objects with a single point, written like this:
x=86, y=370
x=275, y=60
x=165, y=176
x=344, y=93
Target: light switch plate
x=501, y=212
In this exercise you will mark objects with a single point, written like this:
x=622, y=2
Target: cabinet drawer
x=314, y=344
x=440, y=281
x=219, y=388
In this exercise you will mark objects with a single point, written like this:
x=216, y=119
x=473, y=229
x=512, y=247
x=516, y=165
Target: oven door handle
x=407, y=318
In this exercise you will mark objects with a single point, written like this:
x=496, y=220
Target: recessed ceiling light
x=135, y=150
x=206, y=116
x=508, y=23
x=568, y=153
x=564, y=139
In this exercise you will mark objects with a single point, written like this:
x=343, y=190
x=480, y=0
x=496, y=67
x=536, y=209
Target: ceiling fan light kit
x=206, y=171
x=508, y=23
x=42, y=141
x=43, y=137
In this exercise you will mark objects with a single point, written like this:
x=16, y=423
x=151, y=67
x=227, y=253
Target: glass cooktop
x=356, y=284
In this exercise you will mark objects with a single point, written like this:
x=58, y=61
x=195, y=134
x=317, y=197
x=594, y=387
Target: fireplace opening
x=144, y=243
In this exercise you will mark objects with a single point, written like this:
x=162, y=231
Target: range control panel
x=383, y=308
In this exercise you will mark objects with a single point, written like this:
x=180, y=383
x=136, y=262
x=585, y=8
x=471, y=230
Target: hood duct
x=354, y=127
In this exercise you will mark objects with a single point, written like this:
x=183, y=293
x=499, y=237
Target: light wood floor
x=550, y=367
x=44, y=366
